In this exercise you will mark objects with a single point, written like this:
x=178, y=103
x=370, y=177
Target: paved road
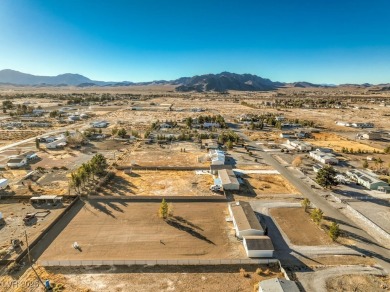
x=365, y=244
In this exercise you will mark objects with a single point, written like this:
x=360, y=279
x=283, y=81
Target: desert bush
x=259, y=271
x=244, y=273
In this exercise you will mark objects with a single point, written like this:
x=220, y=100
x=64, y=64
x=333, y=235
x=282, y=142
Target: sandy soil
x=334, y=260
x=143, y=278
x=299, y=228
x=264, y=184
x=121, y=230
x=337, y=142
x=13, y=214
x=358, y=283
x=166, y=155
x=159, y=183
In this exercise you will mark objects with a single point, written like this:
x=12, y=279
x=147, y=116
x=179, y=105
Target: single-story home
x=365, y=179
x=211, y=125
x=244, y=219
x=372, y=136
x=299, y=145
x=325, y=158
x=258, y=246
x=228, y=179
x=278, y=285
x=17, y=161
x=100, y=124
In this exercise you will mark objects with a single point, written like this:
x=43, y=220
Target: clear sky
x=322, y=41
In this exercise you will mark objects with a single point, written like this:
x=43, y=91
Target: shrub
x=259, y=271
x=244, y=273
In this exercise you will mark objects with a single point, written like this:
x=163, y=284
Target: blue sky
x=322, y=41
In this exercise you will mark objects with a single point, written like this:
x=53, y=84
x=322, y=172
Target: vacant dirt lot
x=120, y=230
x=177, y=154
x=159, y=183
x=14, y=227
x=298, y=227
x=146, y=278
x=337, y=142
x=358, y=283
x=265, y=184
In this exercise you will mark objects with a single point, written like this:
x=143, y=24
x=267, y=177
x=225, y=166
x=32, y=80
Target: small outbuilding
x=17, y=161
x=258, y=246
x=278, y=285
x=46, y=199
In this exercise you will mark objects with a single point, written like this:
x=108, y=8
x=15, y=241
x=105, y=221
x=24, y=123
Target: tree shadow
x=179, y=225
x=100, y=207
x=184, y=221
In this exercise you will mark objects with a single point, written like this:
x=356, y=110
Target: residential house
x=17, y=161
x=365, y=179
x=228, y=179
x=325, y=158
x=244, y=220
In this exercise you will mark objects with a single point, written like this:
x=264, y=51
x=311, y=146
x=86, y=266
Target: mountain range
x=209, y=82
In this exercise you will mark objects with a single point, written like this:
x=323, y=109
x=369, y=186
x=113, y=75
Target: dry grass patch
x=337, y=142
x=299, y=228
x=358, y=283
x=270, y=184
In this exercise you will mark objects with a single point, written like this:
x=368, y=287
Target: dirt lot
x=265, y=184
x=166, y=155
x=13, y=214
x=298, y=227
x=159, y=183
x=147, y=278
x=358, y=283
x=264, y=136
x=337, y=142
x=120, y=230
x=334, y=260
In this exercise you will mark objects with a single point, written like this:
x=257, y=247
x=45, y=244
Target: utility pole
x=29, y=260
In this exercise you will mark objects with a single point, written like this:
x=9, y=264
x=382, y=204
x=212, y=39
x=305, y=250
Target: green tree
x=99, y=164
x=122, y=132
x=365, y=164
x=334, y=231
x=305, y=203
x=316, y=215
x=326, y=177
x=380, y=162
x=114, y=131
x=163, y=212
x=189, y=122
x=229, y=145
x=37, y=144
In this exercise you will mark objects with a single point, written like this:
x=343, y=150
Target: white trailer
x=3, y=183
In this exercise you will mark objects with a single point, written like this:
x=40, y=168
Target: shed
x=17, y=161
x=244, y=219
x=278, y=285
x=258, y=246
x=46, y=199
x=228, y=179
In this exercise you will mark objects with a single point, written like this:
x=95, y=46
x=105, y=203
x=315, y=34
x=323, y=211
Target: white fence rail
x=189, y=262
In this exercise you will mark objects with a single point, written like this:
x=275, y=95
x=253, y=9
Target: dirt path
x=316, y=281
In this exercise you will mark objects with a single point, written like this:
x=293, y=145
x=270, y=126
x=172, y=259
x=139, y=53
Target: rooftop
x=227, y=176
x=244, y=216
x=258, y=243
